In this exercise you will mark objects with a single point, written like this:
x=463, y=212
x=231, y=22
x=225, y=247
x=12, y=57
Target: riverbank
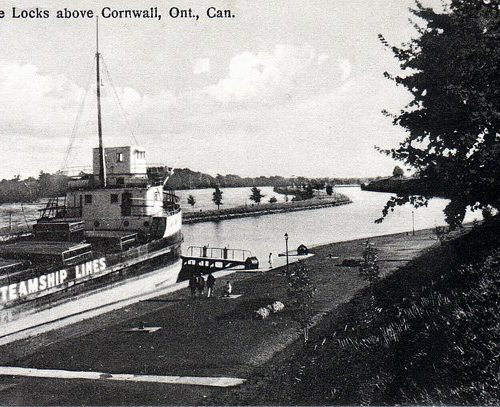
x=244, y=211
x=198, y=337
x=430, y=336
x=404, y=186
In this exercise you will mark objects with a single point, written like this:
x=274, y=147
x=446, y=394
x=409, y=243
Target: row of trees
x=255, y=195
x=184, y=178
x=32, y=189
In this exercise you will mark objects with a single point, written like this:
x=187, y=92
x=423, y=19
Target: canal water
x=265, y=234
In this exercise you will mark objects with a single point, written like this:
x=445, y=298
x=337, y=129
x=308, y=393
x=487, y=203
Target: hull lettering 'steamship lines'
x=117, y=223
x=37, y=284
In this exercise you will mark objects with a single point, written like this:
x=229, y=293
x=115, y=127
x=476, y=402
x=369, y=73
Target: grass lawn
x=431, y=337
x=198, y=337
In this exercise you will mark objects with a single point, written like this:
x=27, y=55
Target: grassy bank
x=199, y=337
x=266, y=208
x=431, y=336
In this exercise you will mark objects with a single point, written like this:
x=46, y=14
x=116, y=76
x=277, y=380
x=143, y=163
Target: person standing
x=201, y=285
x=210, y=285
x=270, y=260
x=228, y=289
x=192, y=285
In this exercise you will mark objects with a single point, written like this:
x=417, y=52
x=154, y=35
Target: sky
x=284, y=87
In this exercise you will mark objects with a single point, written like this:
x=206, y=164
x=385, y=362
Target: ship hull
x=91, y=304
x=152, y=263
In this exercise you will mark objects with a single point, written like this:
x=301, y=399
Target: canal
x=265, y=234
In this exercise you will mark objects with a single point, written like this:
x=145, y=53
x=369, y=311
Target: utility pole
x=286, y=246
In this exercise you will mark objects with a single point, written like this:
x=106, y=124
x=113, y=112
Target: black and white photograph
x=249, y=202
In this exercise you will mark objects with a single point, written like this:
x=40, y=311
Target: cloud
x=201, y=65
x=345, y=66
x=283, y=74
x=290, y=90
x=322, y=58
x=32, y=101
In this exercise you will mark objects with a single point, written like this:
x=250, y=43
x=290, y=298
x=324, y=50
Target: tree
x=256, y=196
x=273, y=199
x=453, y=120
x=398, y=171
x=191, y=201
x=369, y=270
x=301, y=291
x=317, y=184
x=52, y=185
x=309, y=191
x=217, y=197
x=329, y=190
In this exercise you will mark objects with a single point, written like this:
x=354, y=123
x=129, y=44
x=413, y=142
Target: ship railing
x=158, y=172
x=53, y=208
x=61, y=211
x=70, y=258
x=171, y=212
x=218, y=253
x=77, y=171
x=162, y=212
x=169, y=196
x=142, y=211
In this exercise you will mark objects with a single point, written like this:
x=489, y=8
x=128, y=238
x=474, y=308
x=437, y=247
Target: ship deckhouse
x=121, y=200
x=130, y=201
x=123, y=165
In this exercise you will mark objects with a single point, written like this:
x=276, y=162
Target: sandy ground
x=199, y=337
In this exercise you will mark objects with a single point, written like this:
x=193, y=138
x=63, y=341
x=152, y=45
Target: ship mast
x=102, y=167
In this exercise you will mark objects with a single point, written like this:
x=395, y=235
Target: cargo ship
x=116, y=223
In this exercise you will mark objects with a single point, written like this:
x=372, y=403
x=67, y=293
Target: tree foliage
x=369, y=269
x=301, y=291
x=217, y=197
x=452, y=123
x=31, y=189
x=256, y=195
x=398, y=171
x=329, y=190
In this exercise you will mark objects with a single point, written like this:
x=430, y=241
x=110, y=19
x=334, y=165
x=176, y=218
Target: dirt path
x=199, y=337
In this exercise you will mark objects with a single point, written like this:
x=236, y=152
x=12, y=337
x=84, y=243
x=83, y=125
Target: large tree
x=452, y=123
x=217, y=196
x=256, y=195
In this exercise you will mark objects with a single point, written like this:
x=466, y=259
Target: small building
x=302, y=250
x=124, y=165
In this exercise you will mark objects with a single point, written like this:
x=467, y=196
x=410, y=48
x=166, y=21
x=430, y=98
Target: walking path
x=204, y=338
x=66, y=374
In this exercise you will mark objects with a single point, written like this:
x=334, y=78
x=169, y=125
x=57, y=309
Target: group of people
x=197, y=284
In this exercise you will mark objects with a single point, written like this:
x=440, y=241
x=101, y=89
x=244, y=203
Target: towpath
x=195, y=347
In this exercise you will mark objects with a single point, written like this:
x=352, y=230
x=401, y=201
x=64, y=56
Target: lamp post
x=413, y=222
x=286, y=246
